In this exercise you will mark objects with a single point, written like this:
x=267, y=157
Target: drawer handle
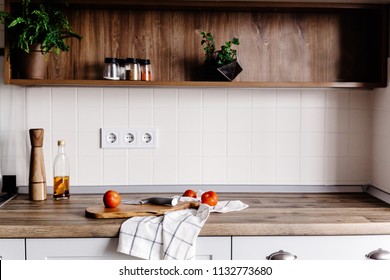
x=379, y=255
x=281, y=255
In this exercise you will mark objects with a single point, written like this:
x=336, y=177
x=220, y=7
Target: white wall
x=381, y=137
x=206, y=135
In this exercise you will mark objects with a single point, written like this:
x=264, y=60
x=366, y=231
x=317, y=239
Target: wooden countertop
x=268, y=214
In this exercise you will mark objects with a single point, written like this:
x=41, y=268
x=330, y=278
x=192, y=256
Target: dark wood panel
x=288, y=47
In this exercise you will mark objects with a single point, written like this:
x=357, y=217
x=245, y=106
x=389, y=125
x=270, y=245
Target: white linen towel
x=171, y=236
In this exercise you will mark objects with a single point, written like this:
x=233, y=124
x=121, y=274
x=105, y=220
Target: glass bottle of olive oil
x=61, y=173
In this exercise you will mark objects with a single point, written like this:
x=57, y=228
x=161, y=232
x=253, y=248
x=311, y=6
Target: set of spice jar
x=132, y=69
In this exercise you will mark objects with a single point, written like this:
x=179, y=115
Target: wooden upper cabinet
x=281, y=44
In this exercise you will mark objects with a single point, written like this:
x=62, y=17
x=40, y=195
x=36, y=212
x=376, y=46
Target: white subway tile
x=89, y=171
x=190, y=170
x=115, y=97
x=214, y=119
x=288, y=120
x=140, y=97
x=312, y=144
x=313, y=120
x=359, y=170
x=140, y=170
x=287, y=144
x=165, y=97
x=190, y=119
x=264, y=98
x=140, y=117
x=263, y=144
x=336, y=170
x=239, y=98
x=238, y=144
x=190, y=97
x=165, y=119
x=263, y=119
x=115, y=171
x=214, y=144
x=89, y=97
x=360, y=121
x=38, y=106
x=90, y=119
x=64, y=109
x=337, y=98
x=360, y=145
x=360, y=99
x=238, y=170
x=190, y=144
x=115, y=117
x=164, y=170
x=88, y=144
x=313, y=98
x=312, y=170
x=288, y=98
x=263, y=170
x=214, y=170
x=336, y=144
x=337, y=120
x=287, y=170
x=239, y=119
x=167, y=144
x=214, y=97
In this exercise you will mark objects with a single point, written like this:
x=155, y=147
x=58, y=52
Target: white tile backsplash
x=205, y=135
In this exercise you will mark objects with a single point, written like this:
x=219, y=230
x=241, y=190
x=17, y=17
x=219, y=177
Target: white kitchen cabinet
x=309, y=247
x=218, y=248
x=12, y=249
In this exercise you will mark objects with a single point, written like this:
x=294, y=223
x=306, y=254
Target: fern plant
x=220, y=57
x=43, y=24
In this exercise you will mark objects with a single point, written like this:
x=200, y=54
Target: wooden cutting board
x=127, y=211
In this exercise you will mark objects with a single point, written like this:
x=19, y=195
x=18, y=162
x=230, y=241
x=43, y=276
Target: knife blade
x=172, y=201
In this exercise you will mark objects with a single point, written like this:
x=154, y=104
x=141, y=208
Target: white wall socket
x=128, y=138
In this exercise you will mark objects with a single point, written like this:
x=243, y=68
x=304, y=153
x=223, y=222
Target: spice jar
x=146, y=70
x=122, y=69
x=133, y=72
x=111, y=69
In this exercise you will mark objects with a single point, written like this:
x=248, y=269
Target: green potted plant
x=34, y=31
x=224, y=60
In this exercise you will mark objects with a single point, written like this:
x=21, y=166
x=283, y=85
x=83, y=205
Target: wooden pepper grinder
x=37, y=176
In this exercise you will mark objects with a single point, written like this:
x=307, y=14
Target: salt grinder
x=37, y=176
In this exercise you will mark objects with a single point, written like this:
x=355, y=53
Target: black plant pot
x=226, y=72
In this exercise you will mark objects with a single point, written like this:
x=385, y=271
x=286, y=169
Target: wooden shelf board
x=106, y=83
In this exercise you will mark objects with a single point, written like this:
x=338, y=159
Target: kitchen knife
x=172, y=201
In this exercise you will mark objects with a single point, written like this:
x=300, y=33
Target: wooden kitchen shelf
x=105, y=83
x=281, y=44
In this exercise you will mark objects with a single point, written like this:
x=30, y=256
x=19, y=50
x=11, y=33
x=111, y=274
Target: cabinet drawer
x=105, y=248
x=12, y=249
x=309, y=247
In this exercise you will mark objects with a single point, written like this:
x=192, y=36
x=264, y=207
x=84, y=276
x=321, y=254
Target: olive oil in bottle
x=61, y=173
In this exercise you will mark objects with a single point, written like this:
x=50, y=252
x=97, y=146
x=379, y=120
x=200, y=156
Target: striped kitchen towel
x=171, y=236
x=168, y=237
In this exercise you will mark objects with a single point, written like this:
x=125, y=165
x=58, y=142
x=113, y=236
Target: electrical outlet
x=128, y=138
x=109, y=138
x=147, y=138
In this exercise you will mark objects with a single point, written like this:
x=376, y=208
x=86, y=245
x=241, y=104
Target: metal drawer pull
x=281, y=255
x=379, y=255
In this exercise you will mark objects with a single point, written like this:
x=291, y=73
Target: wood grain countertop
x=268, y=214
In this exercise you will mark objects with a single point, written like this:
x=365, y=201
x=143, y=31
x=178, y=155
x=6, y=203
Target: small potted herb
x=36, y=30
x=223, y=60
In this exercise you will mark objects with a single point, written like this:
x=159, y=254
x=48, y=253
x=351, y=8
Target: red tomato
x=210, y=198
x=190, y=193
x=111, y=199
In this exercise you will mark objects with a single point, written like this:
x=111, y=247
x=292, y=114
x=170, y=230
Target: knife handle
x=161, y=200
